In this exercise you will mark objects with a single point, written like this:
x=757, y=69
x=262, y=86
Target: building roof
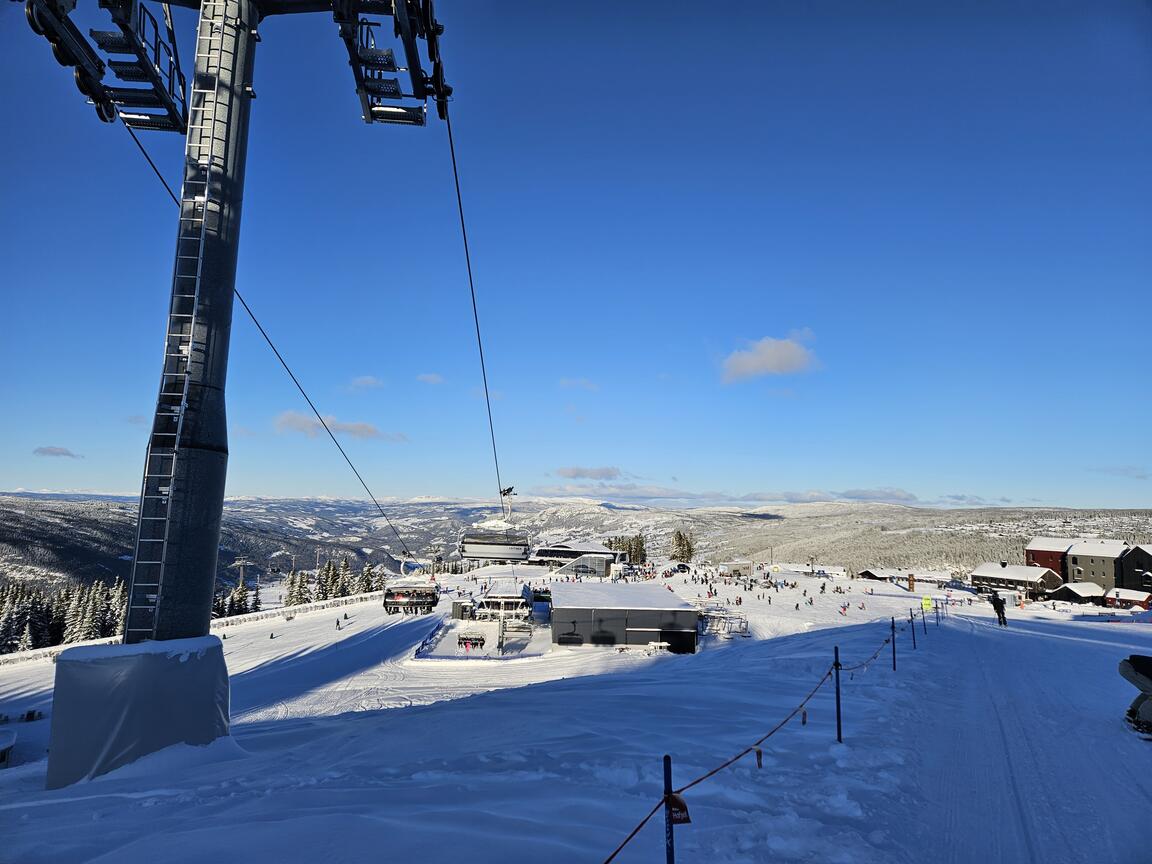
x=1015, y=572
x=588, y=547
x=1050, y=544
x=1129, y=594
x=921, y=575
x=583, y=595
x=1098, y=548
x=505, y=588
x=1083, y=589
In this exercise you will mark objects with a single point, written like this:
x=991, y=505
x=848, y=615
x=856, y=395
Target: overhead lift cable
x=283, y=362
x=475, y=311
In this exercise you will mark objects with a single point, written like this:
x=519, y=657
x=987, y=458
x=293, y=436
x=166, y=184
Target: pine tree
x=256, y=605
x=367, y=582
x=240, y=598
x=324, y=581
x=26, y=643
x=343, y=580
x=683, y=546
x=74, y=618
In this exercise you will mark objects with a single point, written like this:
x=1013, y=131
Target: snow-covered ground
x=988, y=744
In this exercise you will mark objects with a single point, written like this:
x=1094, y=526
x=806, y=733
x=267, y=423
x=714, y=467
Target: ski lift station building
x=611, y=614
x=570, y=550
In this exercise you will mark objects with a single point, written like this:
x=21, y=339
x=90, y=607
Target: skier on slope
x=998, y=606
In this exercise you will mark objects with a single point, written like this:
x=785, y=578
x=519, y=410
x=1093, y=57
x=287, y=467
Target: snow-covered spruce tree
x=74, y=617
x=683, y=546
x=367, y=580
x=256, y=605
x=7, y=627
x=343, y=579
x=26, y=642
x=240, y=598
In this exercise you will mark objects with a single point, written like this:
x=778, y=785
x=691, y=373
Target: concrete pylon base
x=116, y=703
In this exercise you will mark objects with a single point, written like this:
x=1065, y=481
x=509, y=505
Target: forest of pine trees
x=33, y=618
x=331, y=581
x=633, y=545
x=683, y=546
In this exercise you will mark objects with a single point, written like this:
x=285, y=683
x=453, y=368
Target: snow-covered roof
x=922, y=575
x=1098, y=548
x=1015, y=572
x=1084, y=589
x=583, y=595
x=1129, y=594
x=585, y=546
x=505, y=588
x=1050, y=544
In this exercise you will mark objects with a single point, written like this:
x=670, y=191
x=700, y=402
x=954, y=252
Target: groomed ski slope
x=987, y=745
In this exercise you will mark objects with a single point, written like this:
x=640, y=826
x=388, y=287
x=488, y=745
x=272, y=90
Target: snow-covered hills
x=76, y=537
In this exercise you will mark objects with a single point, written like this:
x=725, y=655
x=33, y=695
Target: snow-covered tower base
x=116, y=703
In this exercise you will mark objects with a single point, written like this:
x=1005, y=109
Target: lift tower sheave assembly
x=112, y=707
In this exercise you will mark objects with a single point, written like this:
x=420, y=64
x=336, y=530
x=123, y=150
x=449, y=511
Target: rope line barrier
x=755, y=746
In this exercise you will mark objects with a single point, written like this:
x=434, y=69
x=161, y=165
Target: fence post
x=893, y=643
x=669, y=844
x=912, y=622
x=836, y=668
x=924, y=620
x=936, y=608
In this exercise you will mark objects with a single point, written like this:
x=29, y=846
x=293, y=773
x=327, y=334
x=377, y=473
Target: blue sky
x=884, y=250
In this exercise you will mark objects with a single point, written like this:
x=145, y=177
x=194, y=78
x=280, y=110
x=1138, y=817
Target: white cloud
x=366, y=382
x=293, y=421
x=579, y=384
x=608, y=472
x=771, y=356
x=57, y=452
x=430, y=378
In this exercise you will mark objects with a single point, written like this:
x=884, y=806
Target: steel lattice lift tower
x=181, y=502
x=112, y=708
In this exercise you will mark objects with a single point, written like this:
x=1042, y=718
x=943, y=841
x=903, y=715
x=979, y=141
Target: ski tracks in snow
x=1003, y=796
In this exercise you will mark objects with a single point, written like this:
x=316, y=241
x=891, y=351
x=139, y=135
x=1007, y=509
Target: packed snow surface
x=987, y=745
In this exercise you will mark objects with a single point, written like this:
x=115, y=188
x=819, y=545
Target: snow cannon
x=1137, y=671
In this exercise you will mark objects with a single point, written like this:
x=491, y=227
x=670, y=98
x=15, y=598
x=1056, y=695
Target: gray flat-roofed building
x=1136, y=569
x=1096, y=561
x=622, y=614
x=1033, y=581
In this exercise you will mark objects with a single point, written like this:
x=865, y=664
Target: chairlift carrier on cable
x=493, y=546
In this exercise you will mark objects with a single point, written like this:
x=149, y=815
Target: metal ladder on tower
x=205, y=145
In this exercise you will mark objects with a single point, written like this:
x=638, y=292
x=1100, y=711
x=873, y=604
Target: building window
x=1074, y=561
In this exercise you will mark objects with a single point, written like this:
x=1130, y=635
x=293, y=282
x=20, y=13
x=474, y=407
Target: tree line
x=331, y=581
x=34, y=618
x=632, y=544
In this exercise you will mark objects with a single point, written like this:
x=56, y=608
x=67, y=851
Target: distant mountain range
x=51, y=538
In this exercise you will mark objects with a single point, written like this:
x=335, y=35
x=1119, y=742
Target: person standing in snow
x=998, y=606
